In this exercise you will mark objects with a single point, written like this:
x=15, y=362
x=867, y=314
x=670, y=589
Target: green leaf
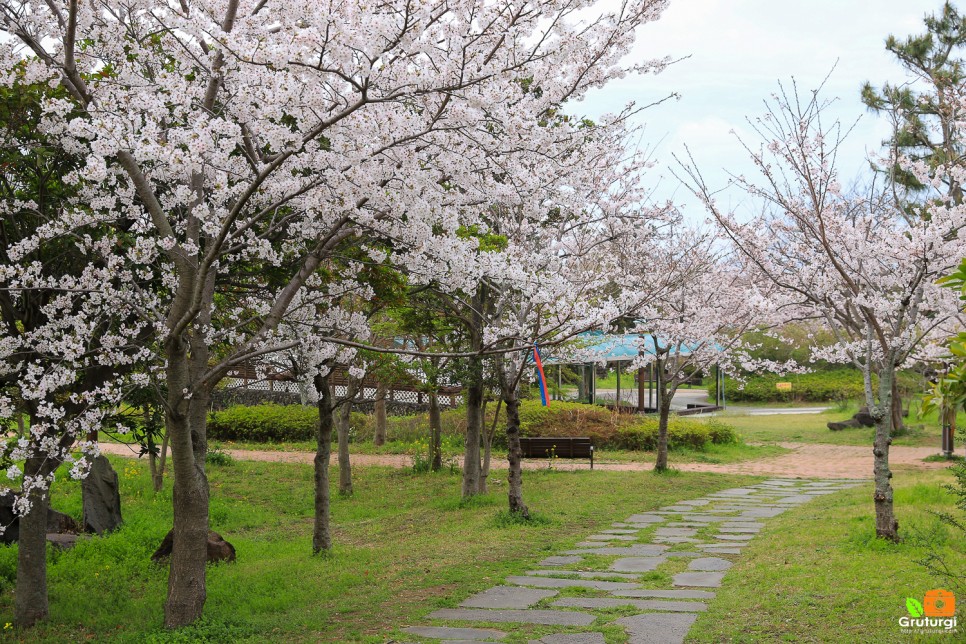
x=914, y=607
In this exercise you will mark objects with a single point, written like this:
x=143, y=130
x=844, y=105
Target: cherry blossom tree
x=71, y=330
x=859, y=261
x=700, y=308
x=238, y=144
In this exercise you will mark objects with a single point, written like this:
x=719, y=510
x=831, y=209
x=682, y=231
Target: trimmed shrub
x=285, y=423
x=819, y=386
x=264, y=423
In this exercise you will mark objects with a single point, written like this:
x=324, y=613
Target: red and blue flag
x=543, y=379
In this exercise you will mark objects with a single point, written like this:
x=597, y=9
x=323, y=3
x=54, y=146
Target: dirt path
x=807, y=460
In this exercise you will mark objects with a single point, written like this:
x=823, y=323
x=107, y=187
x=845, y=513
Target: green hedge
x=285, y=423
x=819, y=386
x=682, y=432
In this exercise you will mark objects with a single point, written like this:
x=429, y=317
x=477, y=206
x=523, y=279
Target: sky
x=734, y=54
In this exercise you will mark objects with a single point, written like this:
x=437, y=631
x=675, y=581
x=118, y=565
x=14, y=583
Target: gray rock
x=684, y=553
x=526, y=616
x=734, y=537
x=657, y=628
x=620, y=531
x=643, y=604
x=561, y=561
x=101, y=497
x=637, y=564
x=507, y=597
x=571, y=638
x=696, y=502
x=552, y=582
x=445, y=632
x=709, y=564
x=57, y=522
x=700, y=579
x=666, y=594
x=612, y=537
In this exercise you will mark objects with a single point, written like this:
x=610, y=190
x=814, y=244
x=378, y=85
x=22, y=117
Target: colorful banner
x=543, y=379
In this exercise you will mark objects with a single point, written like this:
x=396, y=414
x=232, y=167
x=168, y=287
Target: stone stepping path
x=702, y=535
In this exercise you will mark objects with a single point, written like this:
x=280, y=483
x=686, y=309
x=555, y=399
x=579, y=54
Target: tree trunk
x=660, y=465
x=379, y=437
x=186, y=423
x=898, y=422
x=435, y=433
x=514, y=451
x=321, y=534
x=342, y=428
x=474, y=425
x=31, y=591
x=886, y=525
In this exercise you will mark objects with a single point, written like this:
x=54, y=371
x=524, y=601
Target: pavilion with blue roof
x=596, y=347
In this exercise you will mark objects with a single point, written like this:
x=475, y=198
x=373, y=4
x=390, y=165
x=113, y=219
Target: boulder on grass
x=218, y=548
x=101, y=498
x=57, y=522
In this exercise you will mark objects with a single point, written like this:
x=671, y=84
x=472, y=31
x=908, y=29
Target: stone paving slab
x=645, y=518
x=733, y=550
x=561, y=561
x=739, y=530
x=734, y=537
x=591, y=544
x=508, y=597
x=446, y=632
x=525, y=616
x=686, y=524
x=676, y=540
x=643, y=550
x=761, y=513
x=743, y=524
x=637, y=564
x=700, y=579
x=666, y=594
x=553, y=582
x=675, y=532
x=709, y=564
x=684, y=553
x=583, y=574
x=798, y=498
x=695, y=502
x=571, y=638
x=620, y=531
x=612, y=537
x=642, y=604
x=657, y=628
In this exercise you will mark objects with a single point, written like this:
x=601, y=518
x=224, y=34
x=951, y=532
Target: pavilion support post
x=640, y=389
x=618, y=399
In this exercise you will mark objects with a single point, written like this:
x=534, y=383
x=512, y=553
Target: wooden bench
x=564, y=447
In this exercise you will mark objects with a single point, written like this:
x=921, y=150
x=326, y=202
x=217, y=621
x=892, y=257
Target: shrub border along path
x=809, y=460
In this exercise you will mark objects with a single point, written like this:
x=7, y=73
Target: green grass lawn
x=812, y=428
x=405, y=546
x=818, y=574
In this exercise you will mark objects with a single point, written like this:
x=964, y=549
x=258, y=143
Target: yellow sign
x=783, y=386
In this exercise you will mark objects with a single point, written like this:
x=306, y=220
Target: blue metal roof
x=596, y=346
